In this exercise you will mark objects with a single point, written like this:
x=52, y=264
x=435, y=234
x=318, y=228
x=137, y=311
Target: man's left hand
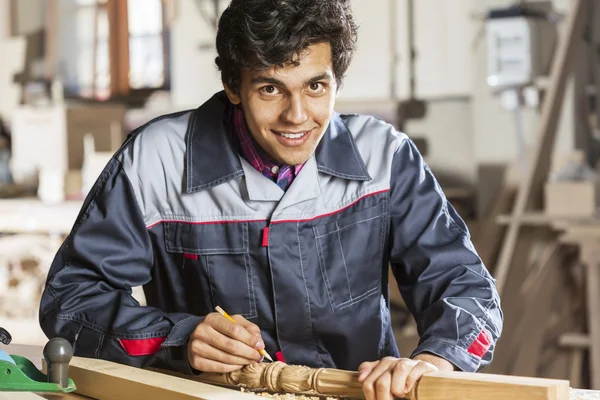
x=395, y=377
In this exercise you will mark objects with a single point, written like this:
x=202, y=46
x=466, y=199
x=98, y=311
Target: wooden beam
x=535, y=314
x=574, y=340
x=590, y=255
x=477, y=386
x=105, y=380
x=50, y=39
x=489, y=235
x=530, y=190
x=119, y=47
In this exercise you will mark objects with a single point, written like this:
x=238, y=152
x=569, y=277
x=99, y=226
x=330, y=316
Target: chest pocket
x=350, y=252
x=216, y=263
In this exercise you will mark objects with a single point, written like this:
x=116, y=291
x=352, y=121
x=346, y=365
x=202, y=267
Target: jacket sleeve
x=88, y=294
x=440, y=276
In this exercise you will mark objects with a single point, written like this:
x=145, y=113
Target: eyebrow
x=275, y=81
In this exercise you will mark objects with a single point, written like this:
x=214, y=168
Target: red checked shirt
x=281, y=174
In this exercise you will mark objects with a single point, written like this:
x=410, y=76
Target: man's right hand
x=219, y=345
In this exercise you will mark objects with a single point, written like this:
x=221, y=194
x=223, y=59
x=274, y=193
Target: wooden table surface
x=34, y=354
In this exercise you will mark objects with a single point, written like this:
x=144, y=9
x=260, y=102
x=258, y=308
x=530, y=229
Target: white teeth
x=293, y=135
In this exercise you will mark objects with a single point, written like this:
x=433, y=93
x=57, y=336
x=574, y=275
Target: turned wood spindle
x=278, y=377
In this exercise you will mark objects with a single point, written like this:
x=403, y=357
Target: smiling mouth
x=294, y=138
x=290, y=135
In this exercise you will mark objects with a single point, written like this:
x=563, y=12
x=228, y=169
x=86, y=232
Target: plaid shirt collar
x=281, y=174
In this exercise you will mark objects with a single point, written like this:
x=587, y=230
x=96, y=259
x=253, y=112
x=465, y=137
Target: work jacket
x=179, y=212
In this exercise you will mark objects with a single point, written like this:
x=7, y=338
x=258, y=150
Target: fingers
x=250, y=327
x=391, y=377
x=235, y=331
x=417, y=372
x=235, y=347
x=371, y=385
x=365, y=369
x=382, y=386
x=234, y=338
x=206, y=365
x=205, y=350
x=219, y=345
x=400, y=373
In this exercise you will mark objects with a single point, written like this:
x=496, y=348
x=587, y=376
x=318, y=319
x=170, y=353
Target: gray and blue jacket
x=179, y=212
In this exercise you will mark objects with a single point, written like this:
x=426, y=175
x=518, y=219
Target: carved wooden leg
x=281, y=378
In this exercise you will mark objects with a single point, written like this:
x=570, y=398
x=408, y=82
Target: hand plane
x=18, y=374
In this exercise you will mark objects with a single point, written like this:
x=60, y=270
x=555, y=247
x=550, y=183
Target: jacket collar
x=211, y=158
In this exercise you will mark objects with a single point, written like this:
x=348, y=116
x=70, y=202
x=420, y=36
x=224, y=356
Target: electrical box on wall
x=515, y=47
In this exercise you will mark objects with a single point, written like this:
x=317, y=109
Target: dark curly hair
x=264, y=33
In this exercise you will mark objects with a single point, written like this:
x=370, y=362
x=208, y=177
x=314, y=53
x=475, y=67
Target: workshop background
x=501, y=97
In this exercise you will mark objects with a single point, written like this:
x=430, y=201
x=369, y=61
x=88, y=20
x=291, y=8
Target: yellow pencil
x=223, y=313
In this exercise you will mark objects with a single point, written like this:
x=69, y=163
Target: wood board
x=477, y=386
x=107, y=380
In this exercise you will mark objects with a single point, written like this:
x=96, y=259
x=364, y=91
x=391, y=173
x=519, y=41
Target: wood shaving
x=289, y=396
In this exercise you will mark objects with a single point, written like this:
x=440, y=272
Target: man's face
x=289, y=108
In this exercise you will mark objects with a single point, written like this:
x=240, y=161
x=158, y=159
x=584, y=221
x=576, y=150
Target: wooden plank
x=590, y=255
x=489, y=233
x=574, y=340
x=530, y=250
x=540, y=218
x=530, y=190
x=595, y=65
x=50, y=40
x=576, y=367
x=107, y=380
x=535, y=315
x=477, y=386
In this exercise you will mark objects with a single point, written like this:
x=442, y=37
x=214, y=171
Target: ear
x=234, y=98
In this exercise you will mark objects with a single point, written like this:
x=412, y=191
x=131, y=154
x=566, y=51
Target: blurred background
x=500, y=96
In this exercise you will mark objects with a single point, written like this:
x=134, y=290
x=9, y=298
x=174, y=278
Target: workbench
x=34, y=353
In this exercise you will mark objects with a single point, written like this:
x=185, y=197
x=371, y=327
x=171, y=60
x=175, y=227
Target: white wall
x=194, y=76
x=369, y=76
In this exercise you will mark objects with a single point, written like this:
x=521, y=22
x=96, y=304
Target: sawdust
x=291, y=396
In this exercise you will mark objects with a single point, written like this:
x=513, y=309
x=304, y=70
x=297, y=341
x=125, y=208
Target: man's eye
x=316, y=87
x=269, y=89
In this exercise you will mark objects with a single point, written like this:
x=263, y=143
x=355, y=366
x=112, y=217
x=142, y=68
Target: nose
x=295, y=113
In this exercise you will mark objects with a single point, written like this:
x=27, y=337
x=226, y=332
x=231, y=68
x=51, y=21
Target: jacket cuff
x=461, y=358
x=176, y=347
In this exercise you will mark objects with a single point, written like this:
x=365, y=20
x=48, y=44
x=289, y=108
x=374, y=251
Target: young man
x=267, y=203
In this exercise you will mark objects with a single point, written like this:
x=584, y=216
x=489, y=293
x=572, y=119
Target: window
x=108, y=48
